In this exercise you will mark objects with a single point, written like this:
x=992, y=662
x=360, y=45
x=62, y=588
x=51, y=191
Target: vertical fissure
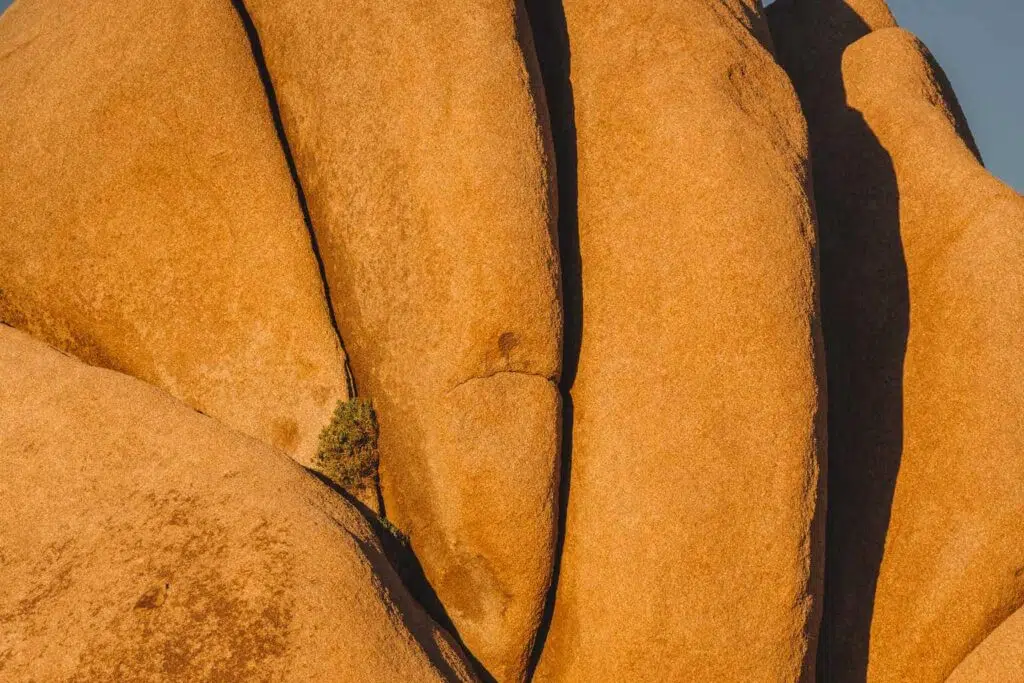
x=256, y=46
x=551, y=41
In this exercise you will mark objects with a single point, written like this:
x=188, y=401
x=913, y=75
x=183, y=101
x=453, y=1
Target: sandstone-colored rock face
x=149, y=221
x=955, y=548
x=921, y=254
x=140, y=540
x=418, y=138
x=999, y=658
x=691, y=543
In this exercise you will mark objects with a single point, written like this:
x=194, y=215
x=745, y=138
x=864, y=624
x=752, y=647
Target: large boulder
x=419, y=136
x=150, y=224
x=692, y=542
x=140, y=540
x=922, y=300
x=951, y=571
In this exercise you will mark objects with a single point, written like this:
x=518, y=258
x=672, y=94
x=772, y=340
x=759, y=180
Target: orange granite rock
x=692, y=543
x=419, y=135
x=150, y=224
x=140, y=540
x=951, y=571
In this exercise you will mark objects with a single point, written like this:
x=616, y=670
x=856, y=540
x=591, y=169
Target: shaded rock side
x=150, y=224
x=922, y=310
x=865, y=314
x=419, y=135
x=140, y=540
x=952, y=568
x=692, y=543
x=999, y=658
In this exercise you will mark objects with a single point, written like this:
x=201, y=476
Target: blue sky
x=980, y=44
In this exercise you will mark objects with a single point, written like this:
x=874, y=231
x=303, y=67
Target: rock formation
x=947, y=578
x=420, y=139
x=140, y=540
x=926, y=483
x=572, y=250
x=150, y=224
x=691, y=539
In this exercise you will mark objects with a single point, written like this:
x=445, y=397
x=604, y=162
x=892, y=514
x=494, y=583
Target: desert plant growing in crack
x=347, y=452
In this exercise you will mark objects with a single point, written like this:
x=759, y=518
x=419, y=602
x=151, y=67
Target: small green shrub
x=348, y=446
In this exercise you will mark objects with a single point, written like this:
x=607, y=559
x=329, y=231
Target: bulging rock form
x=150, y=224
x=951, y=571
x=999, y=658
x=140, y=540
x=692, y=543
x=921, y=254
x=420, y=142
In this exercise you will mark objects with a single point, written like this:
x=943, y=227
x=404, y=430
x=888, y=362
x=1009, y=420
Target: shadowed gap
x=865, y=302
x=275, y=111
x=405, y=564
x=410, y=572
x=551, y=37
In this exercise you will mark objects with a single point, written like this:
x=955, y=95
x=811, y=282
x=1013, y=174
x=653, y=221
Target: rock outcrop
x=921, y=256
x=420, y=139
x=592, y=263
x=150, y=224
x=140, y=540
x=692, y=542
x=952, y=565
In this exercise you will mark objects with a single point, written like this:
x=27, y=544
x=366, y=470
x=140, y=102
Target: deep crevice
x=551, y=40
x=256, y=46
x=410, y=573
x=865, y=303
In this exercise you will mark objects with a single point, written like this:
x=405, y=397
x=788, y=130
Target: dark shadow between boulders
x=410, y=572
x=551, y=37
x=865, y=304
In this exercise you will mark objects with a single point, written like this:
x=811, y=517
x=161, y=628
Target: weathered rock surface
x=953, y=557
x=692, y=548
x=418, y=140
x=150, y=224
x=926, y=482
x=999, y=658
x=140, y=540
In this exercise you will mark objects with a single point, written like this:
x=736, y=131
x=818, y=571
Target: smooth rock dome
x=140, y=540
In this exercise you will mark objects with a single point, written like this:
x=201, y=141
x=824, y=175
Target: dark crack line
x=256, y=46
x=551, y=41
x=489, y=375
